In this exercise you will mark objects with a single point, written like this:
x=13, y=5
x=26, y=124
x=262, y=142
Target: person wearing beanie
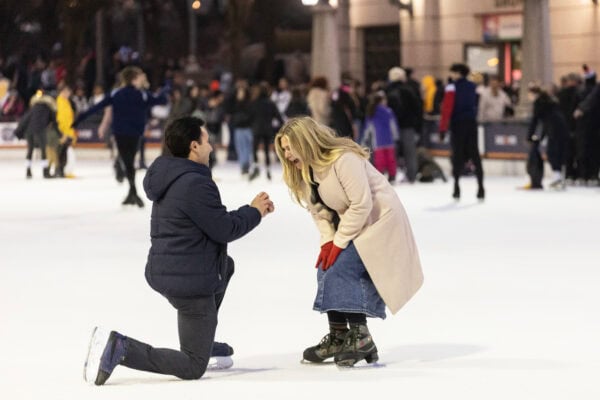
x=459, y=115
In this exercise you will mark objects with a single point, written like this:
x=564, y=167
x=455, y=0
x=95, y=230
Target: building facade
x=486, y=34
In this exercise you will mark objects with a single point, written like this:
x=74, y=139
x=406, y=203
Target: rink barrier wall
x=501, y=140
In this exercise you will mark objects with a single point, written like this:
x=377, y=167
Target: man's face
x=200, y=150
x=455, y=75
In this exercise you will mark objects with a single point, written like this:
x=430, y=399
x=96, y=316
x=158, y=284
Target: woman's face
x=289, y=153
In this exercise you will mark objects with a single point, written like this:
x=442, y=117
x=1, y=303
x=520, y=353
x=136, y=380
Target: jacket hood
x=165, y=170
x=45, y=99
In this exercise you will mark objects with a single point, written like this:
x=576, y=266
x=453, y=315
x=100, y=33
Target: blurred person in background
x=130, y=105
x=215, y=116
x=568, y=98
x=380, y=134
x=343, y=110
x=298, y=106
x=80, y=101
x=493, y=102
x=32, y=127
x=265, y=117
x=181, y=105
x=65, y=116
x=546, y=111
x=407, y=108
x=587, y=114
x=239, y=109
x=318, y=100
x=459, y=115
x=13, y=107
x=368, y=256
x=432, y=99
x=282, y=97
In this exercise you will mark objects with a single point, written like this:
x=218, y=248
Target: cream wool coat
x=372, y=216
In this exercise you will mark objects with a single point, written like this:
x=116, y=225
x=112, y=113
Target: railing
x=504, y=140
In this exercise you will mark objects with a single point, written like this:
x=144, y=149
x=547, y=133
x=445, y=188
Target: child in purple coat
x=380, y=134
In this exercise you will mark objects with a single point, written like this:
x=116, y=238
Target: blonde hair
x=317, y=146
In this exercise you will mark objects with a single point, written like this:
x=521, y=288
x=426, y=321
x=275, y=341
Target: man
x=408, y=110
x=568, y=98
x=587, y=114
x=187, y=262
x=459, y=113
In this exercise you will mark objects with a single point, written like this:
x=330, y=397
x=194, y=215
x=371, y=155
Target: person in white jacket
x=492, y=102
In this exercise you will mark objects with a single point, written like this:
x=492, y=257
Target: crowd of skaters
x=394, y=117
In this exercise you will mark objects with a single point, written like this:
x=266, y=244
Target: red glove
x=333, y=255
x=325, y=249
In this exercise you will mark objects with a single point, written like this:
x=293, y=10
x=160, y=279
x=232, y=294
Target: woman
x=368, y=257
x=554, y=125
x=130, y=105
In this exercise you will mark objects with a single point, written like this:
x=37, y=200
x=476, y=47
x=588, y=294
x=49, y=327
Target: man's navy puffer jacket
x=190, y=228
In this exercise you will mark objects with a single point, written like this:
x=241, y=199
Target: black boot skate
x=47, y=173
x=481, y=193
x=330, y=345
x=28, y=173
x=358, y=345
x=456, y=193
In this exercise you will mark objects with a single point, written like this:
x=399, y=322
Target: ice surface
x=509, y=308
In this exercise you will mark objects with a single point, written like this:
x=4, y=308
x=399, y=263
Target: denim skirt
x=347, y=287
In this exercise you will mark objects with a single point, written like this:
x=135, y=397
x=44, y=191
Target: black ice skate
x=481, y=193
x=358, y=345
x=456, y=193
x=330, y=345
x=106, y=351
x=220, y=356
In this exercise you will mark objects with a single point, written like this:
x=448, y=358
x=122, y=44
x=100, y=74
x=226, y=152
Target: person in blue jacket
x=187, y=262
x=459, y=115
x=130, y=105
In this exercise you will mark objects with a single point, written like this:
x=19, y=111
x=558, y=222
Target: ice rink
x=509, y=308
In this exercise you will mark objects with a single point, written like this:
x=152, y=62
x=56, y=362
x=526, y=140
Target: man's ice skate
x=106, y=351
x=358, y=345
x=330, y=345
x=220, y=356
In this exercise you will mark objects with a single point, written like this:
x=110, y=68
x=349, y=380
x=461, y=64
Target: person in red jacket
x=459, y=115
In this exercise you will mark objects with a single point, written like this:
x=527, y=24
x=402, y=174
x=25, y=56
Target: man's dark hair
x=462, y=69
x=180, y=133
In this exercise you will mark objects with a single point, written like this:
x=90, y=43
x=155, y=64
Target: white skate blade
x=96, y=348
x=219, y=363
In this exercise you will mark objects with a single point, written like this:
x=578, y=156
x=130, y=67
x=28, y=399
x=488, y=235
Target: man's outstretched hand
x=263, y=204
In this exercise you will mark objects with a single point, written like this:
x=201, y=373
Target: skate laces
x=326, y=341
x=352, y=337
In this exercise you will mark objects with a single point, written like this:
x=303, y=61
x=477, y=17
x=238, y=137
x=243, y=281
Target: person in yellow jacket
x=65, y=117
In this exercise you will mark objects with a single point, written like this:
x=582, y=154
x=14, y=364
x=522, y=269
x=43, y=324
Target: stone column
x=343, y=21
x=100, y=47
x=325, y=57
x=537, y=50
